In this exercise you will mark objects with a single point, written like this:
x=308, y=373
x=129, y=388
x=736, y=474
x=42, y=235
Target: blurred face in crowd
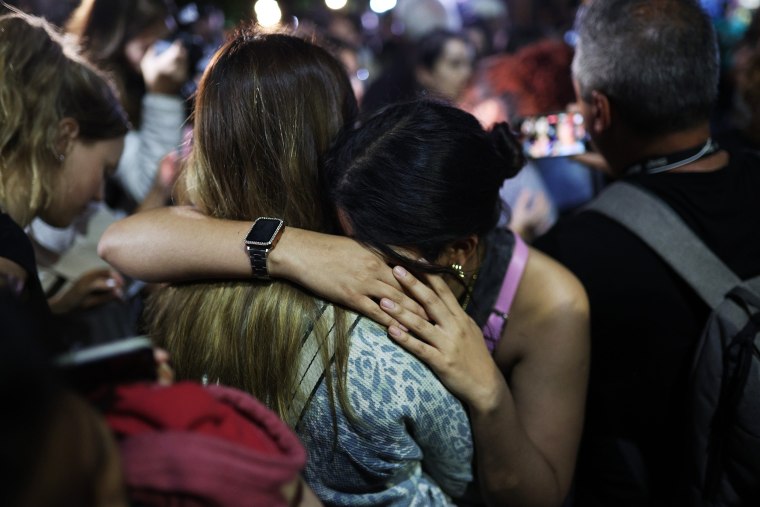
x=79, y=180
x=137, y=46
x=451, y=71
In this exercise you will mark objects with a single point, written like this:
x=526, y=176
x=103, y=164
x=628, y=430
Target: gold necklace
x=468, y=289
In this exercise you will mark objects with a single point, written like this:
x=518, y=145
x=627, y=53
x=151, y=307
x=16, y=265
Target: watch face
x=263, y=231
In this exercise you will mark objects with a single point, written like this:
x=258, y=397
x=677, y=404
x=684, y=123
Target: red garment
x=206, y=446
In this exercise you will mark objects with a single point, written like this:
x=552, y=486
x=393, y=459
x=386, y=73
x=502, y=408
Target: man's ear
x=68, y=131
x=601, y=112
x=461, y=251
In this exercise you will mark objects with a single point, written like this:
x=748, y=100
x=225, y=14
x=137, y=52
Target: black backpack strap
x=655, y=223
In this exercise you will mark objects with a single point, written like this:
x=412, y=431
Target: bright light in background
x=750, y=4
x=268, y=12
x=370, y=21
x=335, y=4
x=381, y=6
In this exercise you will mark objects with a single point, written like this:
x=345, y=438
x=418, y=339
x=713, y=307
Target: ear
x=461, y=251
x=601, y=112
x=68, y=131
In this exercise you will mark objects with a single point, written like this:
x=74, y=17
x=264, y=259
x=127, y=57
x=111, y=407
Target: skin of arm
x=180, y=243
x=526, y=428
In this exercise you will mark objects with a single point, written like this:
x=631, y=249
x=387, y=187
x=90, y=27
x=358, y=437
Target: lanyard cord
x=667, y=162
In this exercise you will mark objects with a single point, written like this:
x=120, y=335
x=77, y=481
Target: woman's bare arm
x=544, y=354
x=180, y=243
x=176, y=243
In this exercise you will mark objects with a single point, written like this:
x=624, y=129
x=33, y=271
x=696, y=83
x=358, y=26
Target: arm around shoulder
x=176, y=243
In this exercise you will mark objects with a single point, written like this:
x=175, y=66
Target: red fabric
x=210, y=446
x=185, y=406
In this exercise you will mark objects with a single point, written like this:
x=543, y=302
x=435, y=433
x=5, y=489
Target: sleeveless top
x=498, y=279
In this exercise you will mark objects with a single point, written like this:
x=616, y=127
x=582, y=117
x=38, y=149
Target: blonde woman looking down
x=61, y=131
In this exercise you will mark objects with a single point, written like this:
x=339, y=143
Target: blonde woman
x=379, y=426
x=61, y=130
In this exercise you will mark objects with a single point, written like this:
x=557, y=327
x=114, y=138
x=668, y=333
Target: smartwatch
x=261, y=239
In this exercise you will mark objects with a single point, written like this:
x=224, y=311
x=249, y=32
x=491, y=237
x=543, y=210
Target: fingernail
x=110, y=282
x=401, y=272
x=403, y=327
x=394, y=331
x=387, y=303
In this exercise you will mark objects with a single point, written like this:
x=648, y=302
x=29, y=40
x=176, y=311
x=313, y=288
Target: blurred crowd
x=345, y=258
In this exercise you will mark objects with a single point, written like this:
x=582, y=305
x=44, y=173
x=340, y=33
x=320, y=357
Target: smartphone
x=558, y=134
x=123, y=361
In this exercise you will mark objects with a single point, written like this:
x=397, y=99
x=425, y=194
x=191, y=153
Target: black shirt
x=645, y=322
x=25, y=313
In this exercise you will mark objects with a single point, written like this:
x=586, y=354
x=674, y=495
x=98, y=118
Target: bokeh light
x=268, y=12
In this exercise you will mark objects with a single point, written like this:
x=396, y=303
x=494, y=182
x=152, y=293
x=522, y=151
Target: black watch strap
x=258, y=259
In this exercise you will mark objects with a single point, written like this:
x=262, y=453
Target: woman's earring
x=459, y=270
x=61, y=157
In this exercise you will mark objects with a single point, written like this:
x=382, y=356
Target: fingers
x=409, y=321
x=430, y=301
x=366, y=306
x=164, y=372
x=443, y=291
x=396, y=294
x=423, y=351
x=97, y=298
x=105, y=285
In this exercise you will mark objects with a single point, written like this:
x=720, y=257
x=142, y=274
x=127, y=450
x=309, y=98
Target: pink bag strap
x=494, y=327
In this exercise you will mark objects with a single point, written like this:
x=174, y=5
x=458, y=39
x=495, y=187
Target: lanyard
x=665, y=163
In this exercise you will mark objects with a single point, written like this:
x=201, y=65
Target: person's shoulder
x=554, y=283
x=383, y=367
x=551, y=293
x=370, y=343
x=582, y=235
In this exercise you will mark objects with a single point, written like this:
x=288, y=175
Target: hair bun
x=508, y=147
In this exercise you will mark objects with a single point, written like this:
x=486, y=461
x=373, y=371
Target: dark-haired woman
x=439, y=65
x=406, y=178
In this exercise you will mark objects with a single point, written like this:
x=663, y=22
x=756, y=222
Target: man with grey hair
x=646, y=74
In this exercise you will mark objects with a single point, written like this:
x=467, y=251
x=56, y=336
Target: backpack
x=724, y=387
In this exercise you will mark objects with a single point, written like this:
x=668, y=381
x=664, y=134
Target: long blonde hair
x=45, y=79
x=267, y=108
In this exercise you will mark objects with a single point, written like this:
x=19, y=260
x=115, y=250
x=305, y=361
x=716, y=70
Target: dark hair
x=657, y=61
x=430, y=47
x=422, y=175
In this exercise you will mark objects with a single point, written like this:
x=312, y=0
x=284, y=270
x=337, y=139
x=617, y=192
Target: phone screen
x=553, y=135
